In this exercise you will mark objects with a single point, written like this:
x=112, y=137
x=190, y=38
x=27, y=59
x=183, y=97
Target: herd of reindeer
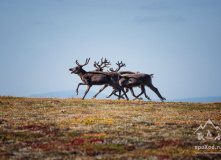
x=118, y=80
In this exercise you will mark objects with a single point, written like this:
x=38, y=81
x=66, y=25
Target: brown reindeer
x=140, y=80
x=96, y=65
x=119, y=64
x=99, y=68
x=96, y=78
x=131, y=79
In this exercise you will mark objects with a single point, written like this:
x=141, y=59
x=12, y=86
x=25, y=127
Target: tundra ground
x=46, y=128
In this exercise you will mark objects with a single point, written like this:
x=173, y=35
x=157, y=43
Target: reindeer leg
x=119, y=93
x=136, y=97
x=119, y=89
x=88, y=88
x=116, y=94
x=145, y=93
x=122, y=96
x=100, y=91
x=157, y=92
x=113, y=92
x=79, y=86
x=124, y=93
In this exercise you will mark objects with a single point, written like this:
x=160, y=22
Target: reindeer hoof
x=93, y=97
x=138, y=98
x=147, y=97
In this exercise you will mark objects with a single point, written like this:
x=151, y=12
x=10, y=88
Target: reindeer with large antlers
x=137, y=80
x=131, y=79
x=96, y=78
x=140, y=80
x=119, y=64
x=99, y=68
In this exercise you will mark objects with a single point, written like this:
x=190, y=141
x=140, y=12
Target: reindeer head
x=101, y=66
x=78, y=69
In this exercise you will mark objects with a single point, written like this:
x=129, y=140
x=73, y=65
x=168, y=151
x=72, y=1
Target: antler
x=121, y=64
x=87, y=61
x=105, y=63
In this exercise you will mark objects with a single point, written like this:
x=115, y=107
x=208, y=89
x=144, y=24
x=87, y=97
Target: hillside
x=50, y=128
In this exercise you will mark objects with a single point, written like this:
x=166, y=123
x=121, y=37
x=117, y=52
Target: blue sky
x=178, y=41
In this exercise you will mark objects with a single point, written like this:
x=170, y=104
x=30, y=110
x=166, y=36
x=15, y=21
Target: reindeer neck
x=82, y=73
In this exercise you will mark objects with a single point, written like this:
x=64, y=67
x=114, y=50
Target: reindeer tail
x=151, y=75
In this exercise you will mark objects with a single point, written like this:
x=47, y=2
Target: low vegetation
x=44, y=128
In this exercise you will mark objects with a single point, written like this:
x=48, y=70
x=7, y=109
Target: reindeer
x=130, y=79
x=99, y=68
x=119, y=64
x=96, y=78
x=140, y=80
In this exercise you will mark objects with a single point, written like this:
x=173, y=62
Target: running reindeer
x=119, y=64
x=97, y=78
x=131, y=79
x=141, y=80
